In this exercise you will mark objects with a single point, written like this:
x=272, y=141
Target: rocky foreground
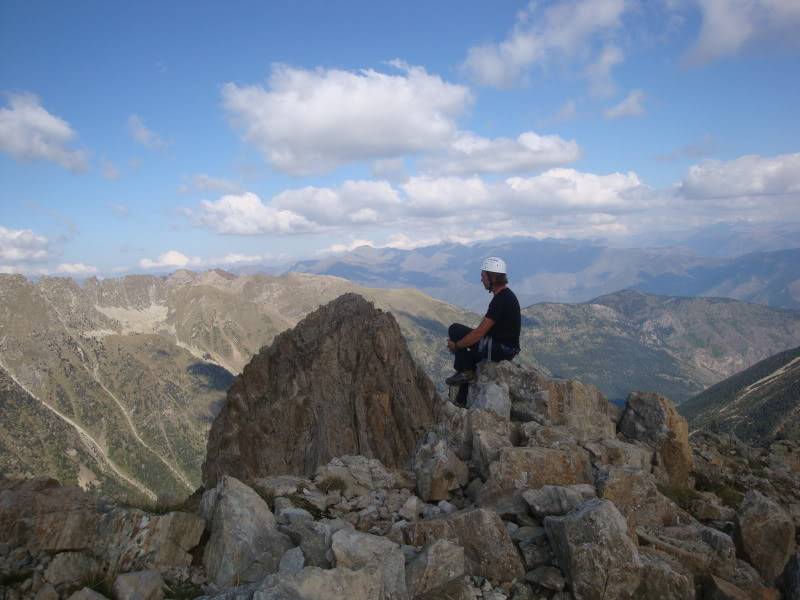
x=539, y=489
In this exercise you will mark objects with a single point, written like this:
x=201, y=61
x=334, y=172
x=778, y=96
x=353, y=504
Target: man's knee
x=456, y=331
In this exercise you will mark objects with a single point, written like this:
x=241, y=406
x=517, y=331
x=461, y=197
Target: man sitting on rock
x=496, y=338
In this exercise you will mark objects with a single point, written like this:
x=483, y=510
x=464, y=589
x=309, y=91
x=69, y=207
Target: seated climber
x=497, y=336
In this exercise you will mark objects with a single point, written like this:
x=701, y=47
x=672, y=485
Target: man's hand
x=474, y=336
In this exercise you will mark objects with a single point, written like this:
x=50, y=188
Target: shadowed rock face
x=341, y=382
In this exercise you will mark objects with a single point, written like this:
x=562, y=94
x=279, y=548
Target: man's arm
x=473, y=336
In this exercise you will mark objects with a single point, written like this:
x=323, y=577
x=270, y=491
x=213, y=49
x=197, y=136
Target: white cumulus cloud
x=29, y=132
x=474, y=200
x=354, y=202
x=22, y=245
x=442, y=196
x=472, y=154
x=311, y=121
x=731, y=25
x=562, y=31
x=631, y=106
x=456, y=208
x=246, y=214
x=172, y=259
x=746, y=176
x=568, y=189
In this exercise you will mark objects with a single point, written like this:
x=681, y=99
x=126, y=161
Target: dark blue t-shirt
x=504, y=311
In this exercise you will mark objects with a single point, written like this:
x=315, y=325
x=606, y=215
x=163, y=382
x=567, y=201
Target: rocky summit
x=336, y=473
x=341, y=382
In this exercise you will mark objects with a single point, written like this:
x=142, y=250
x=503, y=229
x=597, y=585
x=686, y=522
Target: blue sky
x=149, y=136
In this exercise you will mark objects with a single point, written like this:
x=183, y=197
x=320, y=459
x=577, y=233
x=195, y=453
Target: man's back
x=505, y=312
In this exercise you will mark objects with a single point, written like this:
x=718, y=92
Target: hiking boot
x=461, y=378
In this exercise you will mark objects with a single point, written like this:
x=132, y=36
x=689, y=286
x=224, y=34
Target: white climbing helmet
x=494, y=265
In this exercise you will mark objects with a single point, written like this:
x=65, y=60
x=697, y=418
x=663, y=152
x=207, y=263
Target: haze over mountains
x=571, y=271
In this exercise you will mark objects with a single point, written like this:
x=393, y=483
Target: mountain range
x=676, y=346
x=122, y=377
x=570, y=271
x=113, y=383
x=759, y=404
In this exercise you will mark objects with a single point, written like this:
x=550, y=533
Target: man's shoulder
x=510, y=295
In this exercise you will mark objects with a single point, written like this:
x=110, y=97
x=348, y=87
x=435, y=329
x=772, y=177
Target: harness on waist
x=485, y=348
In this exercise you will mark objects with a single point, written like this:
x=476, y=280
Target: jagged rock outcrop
x=341, y=382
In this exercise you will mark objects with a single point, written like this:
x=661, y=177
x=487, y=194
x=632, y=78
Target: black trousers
x=466, y=359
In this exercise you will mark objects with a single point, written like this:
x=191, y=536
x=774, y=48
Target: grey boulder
x=244, y=544
x=439, y=563
x=356, y=550
x=557, y=500
x=764, y=534
x=592, y=547
x=142, y=585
